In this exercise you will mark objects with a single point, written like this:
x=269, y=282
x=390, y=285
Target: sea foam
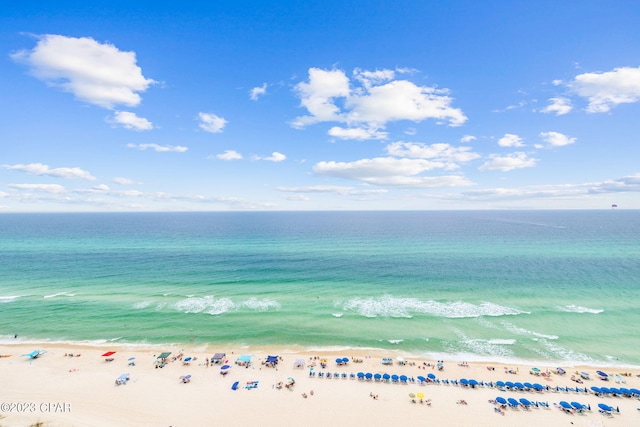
x=579, y=309
x=389, y=306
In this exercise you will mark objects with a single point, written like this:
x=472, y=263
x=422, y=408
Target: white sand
x=59, y=390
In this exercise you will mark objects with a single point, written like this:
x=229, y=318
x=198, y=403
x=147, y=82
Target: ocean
x=547, y=287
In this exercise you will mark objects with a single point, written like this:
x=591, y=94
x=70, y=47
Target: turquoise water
x=550, y=286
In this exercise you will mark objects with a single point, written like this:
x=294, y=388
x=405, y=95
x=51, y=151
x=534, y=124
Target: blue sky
x=288, y=105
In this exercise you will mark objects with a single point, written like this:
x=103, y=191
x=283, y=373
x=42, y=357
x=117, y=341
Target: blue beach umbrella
x=596, y=389
x=473, y=383
x=538, y=387
x=519, y=386
x=513, y=402
x=501, y=400
x=368, y=375
x=566, y=405
x=464, y=381
x=431, y=376
x=345, y=360
x=394, y=377
x=510, y=384
x=605, y=407
x=525, y=402
x=360, y=375
x=224, y=367
x=500, y=384
x=377, y=377
x=386, y=377
x=403, y=378
x=421, y=378
x=528, y=385
x=579, y=406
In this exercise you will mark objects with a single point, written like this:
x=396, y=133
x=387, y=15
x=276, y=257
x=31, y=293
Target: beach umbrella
x=500, y=384
x=421, y=378
x=596, y=389
x=109, y=353
x=339, y=361
x=602, y=375
x=368, y=375
x=513, y=402
x=538, y=387
x=579, y=406
x=535, y=370
x=528, y=385
x=377, y=377
x=394, y=377
x=473, y=383
x=431, y=376
x=403, y=378
x=420, y=395
x=605, y=390
x=464, y=381
x=131, y=358
x=510, y=384
x=635, y=391
x=605, y=407
x=360, y=375
x=566, y=405
x=386, y=377
x=525, y=402
x=345, y=360
x=519, y=386
x=411, y=395
x=501, y=400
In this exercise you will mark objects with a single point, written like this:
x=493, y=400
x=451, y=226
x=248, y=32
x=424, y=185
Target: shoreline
x=80, y=390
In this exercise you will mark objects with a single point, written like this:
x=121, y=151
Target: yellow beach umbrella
x=420, y=395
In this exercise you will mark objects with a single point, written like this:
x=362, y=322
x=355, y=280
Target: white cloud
x=333, y=189
x=467, y=138
x=509, y=162
x=558, y=105
x=379, y=99
x=124, y=181
x=356, y=133
x=257, y=92
x=96, y=73
x=605, y=91
x=510, y=140
x=159, y=148
x=211, y=122
x=388, y=171
x=318, y=96
x=556, y=139
x=41, y=169
x=442, y=152
x=276, y=157
x=130, y=121
x=44, y=188
x=229, y=155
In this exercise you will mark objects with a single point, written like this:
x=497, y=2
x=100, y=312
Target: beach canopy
x=272, y=359
x=164, y=355
x=217, y=357
x=109, y=353
x=387, y=361
x=299, y=363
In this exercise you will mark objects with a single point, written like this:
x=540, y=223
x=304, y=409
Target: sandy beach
x=75, y=385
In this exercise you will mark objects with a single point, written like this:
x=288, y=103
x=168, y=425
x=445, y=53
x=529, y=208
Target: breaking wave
x=388, y=306
x=210, y=305
x=9, y=298
x=579, y=309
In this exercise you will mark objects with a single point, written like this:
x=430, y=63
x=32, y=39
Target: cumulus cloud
x=211, y=122
x=124, y=181
x=356, y=133
x=509, y=162
x=510, y=140
x=43, y=188
x=607, y=90
x=94, y=72
x=442, y=152
x=257, y=92
x=556, y=139
x=559, y=106
x=389, y=171
x=229, y=155
x=375, y=100
x=276, y=157
x=467, y=138
x=42, y=169
x=159, y=148
x=129, y=120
